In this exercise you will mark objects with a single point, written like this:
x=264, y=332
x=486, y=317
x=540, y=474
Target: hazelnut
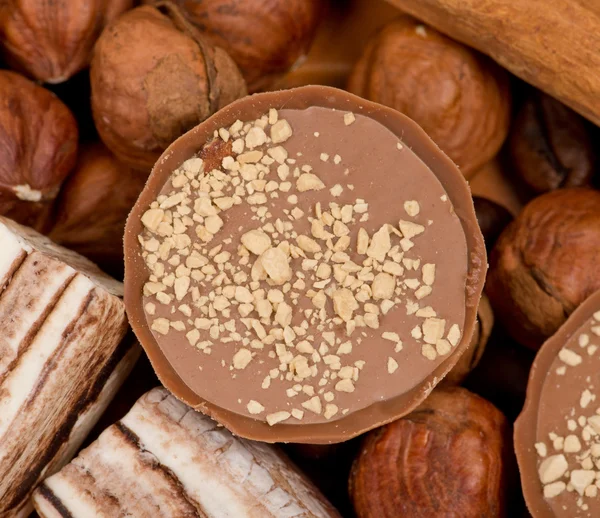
x=53, y=42
x=38, y=139
x=458, y=96
x=546, y=263
x=93, y=205
x=266, y=38
x=451, y=453
x=492, y=218
x=470, y=358
x=154, y=78
x=550, y=145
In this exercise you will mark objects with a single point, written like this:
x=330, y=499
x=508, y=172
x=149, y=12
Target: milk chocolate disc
x=304, y=266
x=557, y=436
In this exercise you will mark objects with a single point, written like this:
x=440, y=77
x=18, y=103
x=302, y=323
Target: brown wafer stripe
x=60, y=359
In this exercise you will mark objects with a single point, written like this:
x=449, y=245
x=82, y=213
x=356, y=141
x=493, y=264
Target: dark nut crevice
x=551, y=146
x=265, y=38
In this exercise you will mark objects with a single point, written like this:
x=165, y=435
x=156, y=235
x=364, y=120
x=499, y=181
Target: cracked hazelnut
x=93, y=205
x=459, y=97
x=53, y=42
x=153, y=78
x=546, y=263
x=38, y=139
x=266, y=38
x=550, y=145
x=469, y=360
x=451, y=455
x=492, y=218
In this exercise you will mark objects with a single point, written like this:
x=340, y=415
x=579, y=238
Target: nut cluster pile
x=571, y=462
x=352, y=276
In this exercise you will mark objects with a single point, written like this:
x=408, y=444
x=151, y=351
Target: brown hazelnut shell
x=51, y=41
x=447, y=458
x=546, y=263
x=38, y=139
x=264, y=37
x=93, y=206
x=550, y=145
x=153, y=78
x=458, y=96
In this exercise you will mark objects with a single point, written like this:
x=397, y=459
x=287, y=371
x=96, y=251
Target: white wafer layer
x=165, y=460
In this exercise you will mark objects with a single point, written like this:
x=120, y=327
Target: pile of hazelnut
x=92, y=92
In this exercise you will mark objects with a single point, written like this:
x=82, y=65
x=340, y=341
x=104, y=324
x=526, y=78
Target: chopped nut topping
x=349, y=118
x=256, y=241
x=296, y=291
x=277, y=417
x=309, y=182
x=281, y=131
x=575, y=463
x=313, y=404
x=254, y=407
x=242, y=358
x=412, y=208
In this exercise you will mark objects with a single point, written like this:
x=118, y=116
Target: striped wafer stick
x=60, y=360
x=165, y=460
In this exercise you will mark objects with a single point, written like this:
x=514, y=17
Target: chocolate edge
x=525, y=429
x=299, y=98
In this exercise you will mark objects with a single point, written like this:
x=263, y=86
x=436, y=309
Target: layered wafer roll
x=164, y=459
x=62, y=358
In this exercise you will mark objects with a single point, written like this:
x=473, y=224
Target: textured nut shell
x=51, y=41
x=470, y=358
x=264, y=37
x=459, y=97
x=550, y=145
x=93, y=206
x=445, y=457
x=546, y=263
x=552, y=46
x=38, y=139
x=151, y=82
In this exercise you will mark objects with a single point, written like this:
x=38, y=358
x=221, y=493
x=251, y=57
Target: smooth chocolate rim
x=253, y=107
x=525, y=434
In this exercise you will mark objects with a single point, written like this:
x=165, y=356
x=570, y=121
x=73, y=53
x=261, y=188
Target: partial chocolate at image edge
x=251, y=108
x=525, y=435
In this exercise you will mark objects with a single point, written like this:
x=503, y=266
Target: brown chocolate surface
x=368, y=149
x=555, y=423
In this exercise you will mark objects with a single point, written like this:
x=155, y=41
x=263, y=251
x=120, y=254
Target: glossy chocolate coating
x=433, y=159
x=552, y=399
